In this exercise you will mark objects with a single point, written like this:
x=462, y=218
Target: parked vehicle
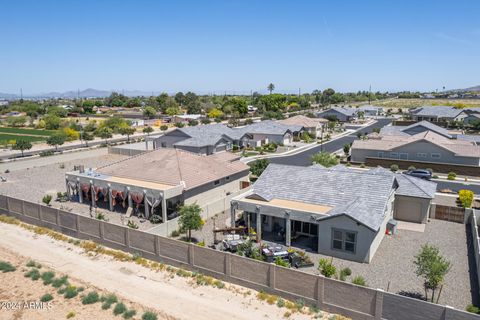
x=419, y=173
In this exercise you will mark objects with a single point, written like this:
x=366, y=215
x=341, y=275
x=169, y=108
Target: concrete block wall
x=329, y=294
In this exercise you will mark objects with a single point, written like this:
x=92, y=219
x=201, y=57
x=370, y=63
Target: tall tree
x=190, y=219
x=271, y=87
x=126, y=130
x=104, y=133
x=87, y=136
x=56, y=139
x=22, y=145
x=149, y=112
x=257, y=167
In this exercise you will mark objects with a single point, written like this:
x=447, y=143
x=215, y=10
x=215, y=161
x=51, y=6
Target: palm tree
x=271, y=87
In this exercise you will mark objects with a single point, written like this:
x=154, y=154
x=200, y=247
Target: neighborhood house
x=314, y=126
x=338, y=211
x=342, y=114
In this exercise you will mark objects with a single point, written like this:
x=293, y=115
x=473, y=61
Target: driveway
x=303, y=158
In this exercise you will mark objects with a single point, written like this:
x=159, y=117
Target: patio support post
x=92, y=192
x=129, y=198
x=164, y=208
x=68, y=188
x=146, y=144
x=233, y=207
x=259, y=224
x=110, y=200
x=145, y=202
x=288, y=229
x=80, y=191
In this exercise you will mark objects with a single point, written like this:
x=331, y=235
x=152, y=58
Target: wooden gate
x=453, y=214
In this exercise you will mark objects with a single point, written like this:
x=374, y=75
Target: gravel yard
x=33, y=183
x=392, y=266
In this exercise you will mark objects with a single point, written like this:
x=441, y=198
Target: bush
x=91, y=298
x=451, y=175
x=70, y=292
x=119, y=309
x=47, y=199
x=280, y=262
x=71, y=314
x=473, y=309
x=299, y=304
x=359, y=281
x=129, y=314
x=132, y=224
x=163, y=127
x=326, y=267
x=33, y=274
x=175, y=233
x=46, y=297
x=100, y=216
x=108, y=301
x=33, y=264
x=155, y=218
x=47, y=277
x=280, y=303
x=58, y=282
x=6, y=267
x=394, y=168
x=411, y=168
x=466, y=198
x=149, y=315
x=344, y=273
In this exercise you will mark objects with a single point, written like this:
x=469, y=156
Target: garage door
x=408, y=211
x=287, y=139
x=220, y=147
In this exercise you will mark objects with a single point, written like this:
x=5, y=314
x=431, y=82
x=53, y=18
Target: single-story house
x=338, y=211
x=157, y=182
x=314, y=126
x=186, y=118
x=438, y=114
x=427, y=146
x=415, y=128
x=342, y=114
x=370, y=111
x=260, y=133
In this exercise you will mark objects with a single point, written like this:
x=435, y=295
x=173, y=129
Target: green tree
x=215, y=113
x=172, y=111
x=148, y=130
x=52, y=122
x=239, y=104
x=16, y=121
x=126, y=130
x=164, y=127
x=327, y=95
x=346, y=149
x=257, y=167
x=22, y=145
x=432, y=267
x=190, y=219
x=149, y=112
x=325, y=159
x=56, y=139
x=87, y=136
x=271, y=87
x=104, y=133
x=180, y=98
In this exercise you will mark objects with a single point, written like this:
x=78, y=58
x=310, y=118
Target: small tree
x=126, y=130
x=325, y=159
x=394, y=168
x=149, y=112
x=148, y=130
x=104, y=133
x=163, y=127
x=87, y=136
x=346, y=149
x=56, y=139
x=432, y=267
x=190, y=219
x=22, y=145
x=257, y=167
x=466, y=198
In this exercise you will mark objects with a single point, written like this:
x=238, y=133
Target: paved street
x=303, y=158
x=456, y=186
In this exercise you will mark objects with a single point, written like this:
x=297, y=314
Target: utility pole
x=299, y=92
x=370, y=95
x=21, y=94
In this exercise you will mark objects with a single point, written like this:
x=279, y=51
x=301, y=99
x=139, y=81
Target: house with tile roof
x=339, y=211
x=158, y=181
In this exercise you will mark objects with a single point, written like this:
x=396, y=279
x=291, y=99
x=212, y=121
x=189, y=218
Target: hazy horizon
x=238, y=47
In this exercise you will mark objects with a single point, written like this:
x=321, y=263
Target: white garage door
x=409, y=211
x=220, y=147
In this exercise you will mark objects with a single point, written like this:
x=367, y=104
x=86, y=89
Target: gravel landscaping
x=392, y=266
x=33, y=183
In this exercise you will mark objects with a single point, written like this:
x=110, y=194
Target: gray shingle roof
x=268, y=127
x=206, y=135
x=346, y=111
x=402, y=130
x=437, y=111
x=361, y=195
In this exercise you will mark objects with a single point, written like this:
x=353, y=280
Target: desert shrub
x=411, y=168
x=119, y=308
x=71, y=314
x=272, y=299
x=91, y=298
x=219, y=284
x=47, y=277
x=33, y=264
x=6, y=267
x=46, y=297
x=155, y=218
x=359, y=281
x=466, y=198
x=326, y=267
x=129, y=314
x=262, y=295
x=58, y=282
x=149, y=315
x=280, y=262
x=47, y=199
x=394, y=168
x=280, y=303
x=473, y=309
x=201, y=243
x=314, y=308
x=299, y=304
x=132, y=224
x=175, y=233
x=451, y=175
x=70, y=292
x=33, y=274
x=100, y=216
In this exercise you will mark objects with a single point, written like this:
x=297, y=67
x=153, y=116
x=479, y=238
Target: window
x=394, y=155
x=403, y=156
x=435, y=155
x=164, y=144
x=344, y=240
x=380, y=155
x=227, y=178
x=216, y=182
x=421, y=155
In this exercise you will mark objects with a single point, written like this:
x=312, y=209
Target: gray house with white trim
x=342, y=114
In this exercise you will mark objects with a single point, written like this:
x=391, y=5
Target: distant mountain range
x=87, y=93
x=471, y=89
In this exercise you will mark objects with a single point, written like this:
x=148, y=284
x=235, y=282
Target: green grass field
x=4, y=138
x=34, y=132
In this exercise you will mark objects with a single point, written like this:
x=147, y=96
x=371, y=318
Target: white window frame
x=393, y=155
x=421, y=155
x=403, y=153
x=344, y=240
x=381, y=154
x=435, y=155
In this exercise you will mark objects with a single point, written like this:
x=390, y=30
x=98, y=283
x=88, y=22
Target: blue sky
x=238, y=46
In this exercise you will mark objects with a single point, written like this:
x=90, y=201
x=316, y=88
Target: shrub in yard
x=70, y=292
x=108, y=301
x=411, y=168
x=344, y=273
x=46, y=297
x=280, y=262
x=119, y=309
x=219, y=284
x=91, y=298
x=47, y=277
x=451, y=175
x=473, y=309
x=466, y=198
x=299, y=304
x=359, y=281
x=6, y=267
x=394, y=167
x=100, y=216
x=280, y=303
x=326, y=267
x=33, y=274
x=155, y=218
x=47, y=199
x=129, y=314
x=132, y=224
x=314, y=308
x=58, y=282
x=149, y=315
x=71, y=314
x=33, y=264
